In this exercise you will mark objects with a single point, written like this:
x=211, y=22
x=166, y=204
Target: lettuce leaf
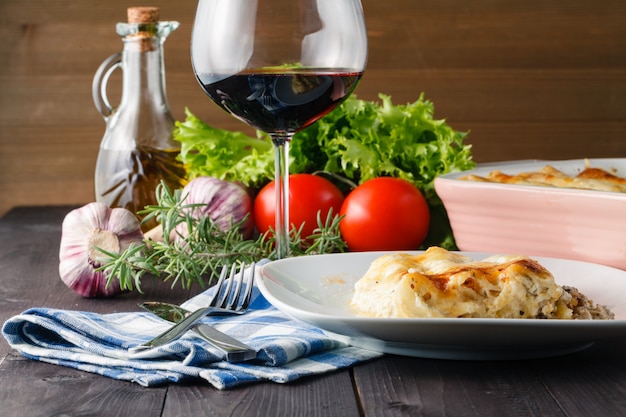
x=362, y=140
x=224, y=154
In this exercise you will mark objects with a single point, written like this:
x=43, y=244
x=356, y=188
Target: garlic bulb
x=223, y=201
x=86, y=229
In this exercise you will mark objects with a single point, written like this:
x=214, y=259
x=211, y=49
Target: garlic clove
x=225, y=202
x=86, y=229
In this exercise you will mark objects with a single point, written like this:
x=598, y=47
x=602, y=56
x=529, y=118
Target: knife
x=233, y=349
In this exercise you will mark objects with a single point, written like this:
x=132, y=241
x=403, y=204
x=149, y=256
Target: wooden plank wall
x=529, y=79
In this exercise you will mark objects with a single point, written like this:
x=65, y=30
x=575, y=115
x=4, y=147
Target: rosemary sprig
x=197, y=255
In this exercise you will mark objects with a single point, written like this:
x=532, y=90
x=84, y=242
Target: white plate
x=317, y=290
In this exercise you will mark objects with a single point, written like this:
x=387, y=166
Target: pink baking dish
x=533, y=220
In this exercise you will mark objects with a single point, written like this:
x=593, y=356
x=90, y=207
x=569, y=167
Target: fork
x=230, y=298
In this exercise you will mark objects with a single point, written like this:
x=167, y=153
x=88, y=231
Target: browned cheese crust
x=589, y=179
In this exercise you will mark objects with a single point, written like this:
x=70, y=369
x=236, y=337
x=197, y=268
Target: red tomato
x=308, y=194
x=384, y=213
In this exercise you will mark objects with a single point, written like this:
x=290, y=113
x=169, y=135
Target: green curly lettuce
x=359, y=140
x=364, y=140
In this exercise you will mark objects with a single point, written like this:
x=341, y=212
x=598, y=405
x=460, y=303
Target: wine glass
x=279, y=65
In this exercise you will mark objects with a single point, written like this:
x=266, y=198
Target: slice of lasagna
x=439, y=283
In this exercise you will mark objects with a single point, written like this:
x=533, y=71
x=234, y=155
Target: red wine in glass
x=280, y=101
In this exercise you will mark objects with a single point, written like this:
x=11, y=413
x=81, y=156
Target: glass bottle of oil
x=137, y=151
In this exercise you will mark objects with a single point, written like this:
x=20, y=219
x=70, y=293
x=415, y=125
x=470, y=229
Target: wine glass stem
x=281, y=181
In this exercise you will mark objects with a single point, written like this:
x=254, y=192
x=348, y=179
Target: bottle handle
x=100, y=81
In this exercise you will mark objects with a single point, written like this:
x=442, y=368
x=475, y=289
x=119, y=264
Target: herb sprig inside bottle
x=195, y=248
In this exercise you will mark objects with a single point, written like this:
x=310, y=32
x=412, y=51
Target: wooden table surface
x=591, y=383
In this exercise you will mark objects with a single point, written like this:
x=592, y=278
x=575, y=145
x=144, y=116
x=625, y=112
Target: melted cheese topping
x=439, y=283
x=589, y=179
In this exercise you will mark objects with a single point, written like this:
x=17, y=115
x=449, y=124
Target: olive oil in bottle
x=137, y=151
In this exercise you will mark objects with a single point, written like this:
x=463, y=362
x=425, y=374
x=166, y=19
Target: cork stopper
x=143, y=14
x=146, y=18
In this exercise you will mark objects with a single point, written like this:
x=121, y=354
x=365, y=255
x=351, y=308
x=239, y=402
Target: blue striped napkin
x=288, y=349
